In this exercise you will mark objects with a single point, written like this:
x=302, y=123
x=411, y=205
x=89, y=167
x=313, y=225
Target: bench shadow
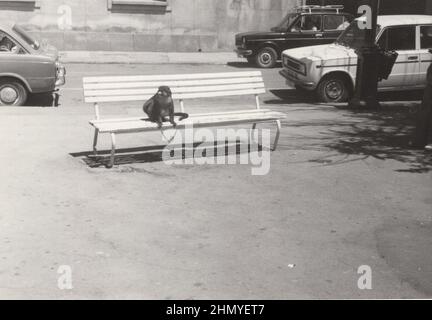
x=153, y=154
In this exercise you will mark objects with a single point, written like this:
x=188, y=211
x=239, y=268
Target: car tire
x=333, y=88
x=266, y=58
x=12, y=93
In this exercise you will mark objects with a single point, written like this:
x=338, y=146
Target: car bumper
x=61, y=76
x=243, y=53
x=294, y=79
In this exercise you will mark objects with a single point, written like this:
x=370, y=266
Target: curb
x=107, y=57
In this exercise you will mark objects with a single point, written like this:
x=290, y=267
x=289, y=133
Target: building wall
x=386, y=6
x=187, y=25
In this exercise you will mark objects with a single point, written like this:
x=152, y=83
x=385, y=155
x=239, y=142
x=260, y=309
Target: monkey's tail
x=182, y=115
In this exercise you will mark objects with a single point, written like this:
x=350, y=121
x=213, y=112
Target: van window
x=308, y=23
x=398, y=38
x=426, y=37
x=335, y=22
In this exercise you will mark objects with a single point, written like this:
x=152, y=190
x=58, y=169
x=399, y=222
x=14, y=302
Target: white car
x=330, y=70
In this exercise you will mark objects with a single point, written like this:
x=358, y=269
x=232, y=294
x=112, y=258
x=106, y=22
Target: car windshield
x=26, y=37
x=287, y=21
x=353, y=36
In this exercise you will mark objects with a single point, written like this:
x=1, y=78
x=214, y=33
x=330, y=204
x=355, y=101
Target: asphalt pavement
x=343, y=193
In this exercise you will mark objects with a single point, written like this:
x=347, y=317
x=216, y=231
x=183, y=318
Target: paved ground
x=343, y=192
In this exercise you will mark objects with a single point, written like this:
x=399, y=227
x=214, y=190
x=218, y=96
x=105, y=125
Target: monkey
x=160, y=106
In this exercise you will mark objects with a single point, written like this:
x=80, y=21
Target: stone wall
x=184, y=25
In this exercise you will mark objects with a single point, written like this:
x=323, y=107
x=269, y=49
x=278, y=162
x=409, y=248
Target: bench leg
x=113, y=147
x=251, y=135
x=95, y=141
x=279, y=127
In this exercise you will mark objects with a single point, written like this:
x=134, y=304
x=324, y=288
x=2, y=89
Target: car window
x=287, y=21
x=398, y=38
x=7, y=44
x=335, y=22
x=426, y=37
x=308, y=23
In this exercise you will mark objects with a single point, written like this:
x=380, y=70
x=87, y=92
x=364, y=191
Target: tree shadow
x=153, y=154
x=384, y=134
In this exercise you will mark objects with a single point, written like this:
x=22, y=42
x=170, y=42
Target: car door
x=305, y=31
x=425, y=33
x=334, y=25
x=401, y=39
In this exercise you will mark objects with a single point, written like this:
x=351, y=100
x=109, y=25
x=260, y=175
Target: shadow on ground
x=43, y=100
x=245, y=65
x=383, y=135
x=356, y=135
x=154, y=154
x=302, y=96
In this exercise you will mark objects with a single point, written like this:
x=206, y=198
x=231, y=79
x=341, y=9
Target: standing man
x=423, y=137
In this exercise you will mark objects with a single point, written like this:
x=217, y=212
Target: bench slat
x=172, y=84
x=197, y=122
x=118, y=79
x=149, y=91
x=191, y=116
x=176, y=96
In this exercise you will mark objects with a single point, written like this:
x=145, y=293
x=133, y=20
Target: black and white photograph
x=215, y=150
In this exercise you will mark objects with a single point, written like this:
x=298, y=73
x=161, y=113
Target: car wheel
x=12, y=93
x=333, y=89
x=266, y=58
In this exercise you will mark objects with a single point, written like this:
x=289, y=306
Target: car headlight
x=294, y=64
x=302, y=68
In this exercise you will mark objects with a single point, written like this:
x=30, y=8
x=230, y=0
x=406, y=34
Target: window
x=426, y=37
x=152, y=5
x=398, y=38
x=335, y=22
x=308, y=23
x=8, y=45
x=19, y=4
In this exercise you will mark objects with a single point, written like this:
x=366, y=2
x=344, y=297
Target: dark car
x=307, y=26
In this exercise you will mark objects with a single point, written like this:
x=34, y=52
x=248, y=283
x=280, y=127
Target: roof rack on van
x=310, y=9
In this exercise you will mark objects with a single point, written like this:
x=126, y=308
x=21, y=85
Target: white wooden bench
x=122, y=89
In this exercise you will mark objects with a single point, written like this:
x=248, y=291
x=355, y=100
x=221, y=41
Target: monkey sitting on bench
x=161, y=106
